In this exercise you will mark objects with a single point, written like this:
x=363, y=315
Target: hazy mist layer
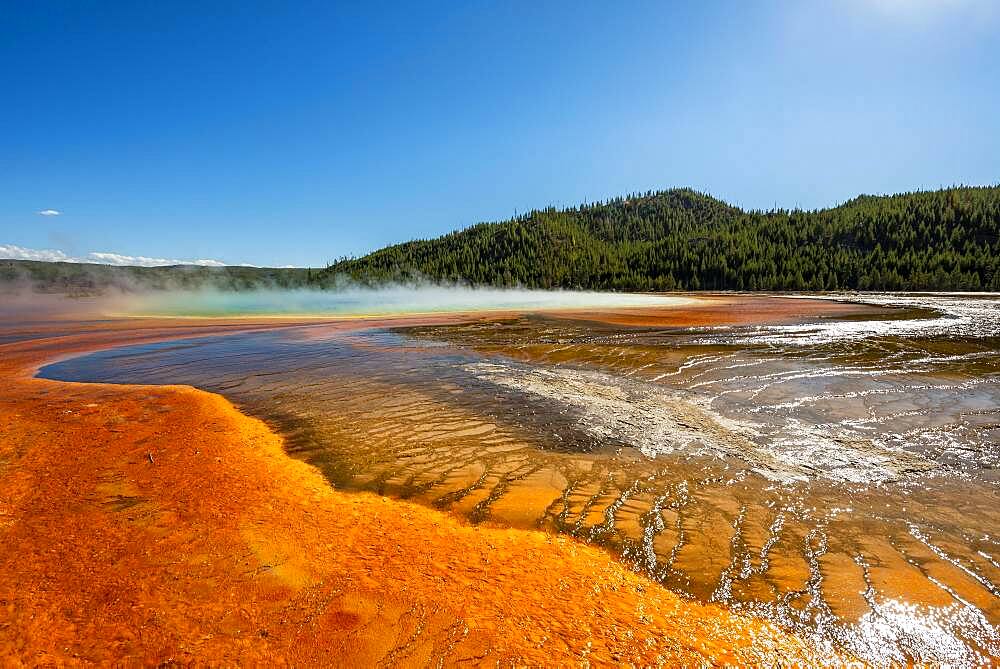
x=374, y=301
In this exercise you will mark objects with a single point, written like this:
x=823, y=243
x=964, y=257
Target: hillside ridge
x=676, y=239
x=681, y=239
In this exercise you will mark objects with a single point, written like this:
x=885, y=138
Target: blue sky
x=291, y=133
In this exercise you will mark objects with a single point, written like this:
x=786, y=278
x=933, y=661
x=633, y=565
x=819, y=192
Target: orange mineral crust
x=159, y=524
x=708, y=310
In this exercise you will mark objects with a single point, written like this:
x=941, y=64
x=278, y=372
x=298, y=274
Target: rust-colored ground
x=721, y=309
x=159, y=524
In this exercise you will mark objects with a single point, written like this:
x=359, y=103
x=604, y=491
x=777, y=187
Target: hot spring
x=837, y=475
x=385, y=300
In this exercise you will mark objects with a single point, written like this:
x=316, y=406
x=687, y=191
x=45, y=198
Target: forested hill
x=682, y=239
x=670, y=240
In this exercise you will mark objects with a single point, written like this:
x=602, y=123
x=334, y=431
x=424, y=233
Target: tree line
x=681, y=239
x=93, y=279
x=676, y=239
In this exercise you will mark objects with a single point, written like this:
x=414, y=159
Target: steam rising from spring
x=360, y=301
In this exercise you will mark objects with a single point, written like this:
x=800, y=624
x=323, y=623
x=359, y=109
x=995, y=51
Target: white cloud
x=50, y=212
x=11, y=251
x=21, y=253
x=105, y=258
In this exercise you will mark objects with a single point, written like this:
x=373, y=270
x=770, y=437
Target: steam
x=380, y=301
x=18, y=304
x=81, y=291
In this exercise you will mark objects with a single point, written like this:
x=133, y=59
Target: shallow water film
x=839, y=477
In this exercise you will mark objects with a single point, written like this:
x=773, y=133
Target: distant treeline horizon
x=95, y=279
x=678, y=239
